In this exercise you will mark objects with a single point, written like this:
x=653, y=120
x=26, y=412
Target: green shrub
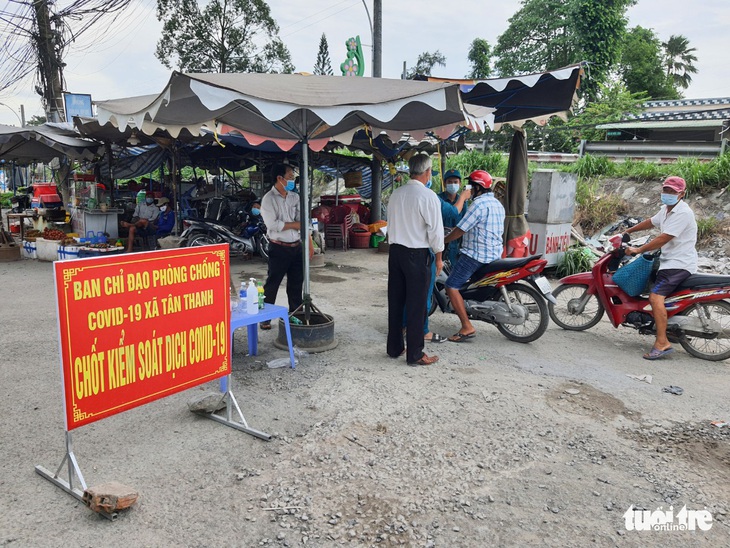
x=593, y=166
x=467, y=161
x=641, y=171
x=576, y=259
x=5, y=199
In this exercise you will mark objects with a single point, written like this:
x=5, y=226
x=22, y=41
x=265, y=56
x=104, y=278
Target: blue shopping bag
x=633, y=276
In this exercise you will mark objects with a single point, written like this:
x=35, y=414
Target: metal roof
x=663, y=124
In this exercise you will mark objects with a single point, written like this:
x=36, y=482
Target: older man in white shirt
x=415, y=227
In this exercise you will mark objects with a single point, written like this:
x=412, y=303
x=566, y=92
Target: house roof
x=690, y=113
x=661, y=124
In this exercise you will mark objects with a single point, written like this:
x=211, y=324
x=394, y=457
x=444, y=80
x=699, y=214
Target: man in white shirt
x=414, y=226
x=678, y=240
x=280, y=211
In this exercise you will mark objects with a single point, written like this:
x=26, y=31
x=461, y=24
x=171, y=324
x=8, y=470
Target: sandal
x=435, y=338
x=265, y=326
x=424, y=360
x=655, y=353
x=461, y=337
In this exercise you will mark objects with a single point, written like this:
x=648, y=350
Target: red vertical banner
x=138, y=327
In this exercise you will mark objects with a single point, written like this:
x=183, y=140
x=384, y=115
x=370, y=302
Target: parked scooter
x=698, y=312
x=248, y=237
x=497, y=294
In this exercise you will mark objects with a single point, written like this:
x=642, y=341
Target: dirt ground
x=499, y=444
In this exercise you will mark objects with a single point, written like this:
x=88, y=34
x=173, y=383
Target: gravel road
x=499, y=444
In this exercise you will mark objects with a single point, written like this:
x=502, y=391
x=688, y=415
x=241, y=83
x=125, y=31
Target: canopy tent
x=288, y=109
x=518, y=99
x=42, y=144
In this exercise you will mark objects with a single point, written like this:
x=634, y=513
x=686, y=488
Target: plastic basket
x=633, y=276
x=359, y=240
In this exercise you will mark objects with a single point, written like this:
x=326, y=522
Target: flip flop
x=265, y=326
x=461, y=337
x=435, y=338
x=655, y=353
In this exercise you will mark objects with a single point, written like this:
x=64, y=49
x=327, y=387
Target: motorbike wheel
x=565, y=313
x=263, y=246
x=716, y=349
x=537, y=320
x=197, y=240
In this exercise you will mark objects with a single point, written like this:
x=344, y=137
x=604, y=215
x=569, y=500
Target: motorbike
x=241, y=229
x=509, y=293
x=698, y=312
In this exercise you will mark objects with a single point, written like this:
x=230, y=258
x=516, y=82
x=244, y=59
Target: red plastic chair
x=338, y=229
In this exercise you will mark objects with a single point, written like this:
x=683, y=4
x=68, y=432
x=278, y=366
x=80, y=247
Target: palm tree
x=679, y=60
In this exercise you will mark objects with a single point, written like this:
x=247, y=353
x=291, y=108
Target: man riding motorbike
x=481, y=227
x=678, y=240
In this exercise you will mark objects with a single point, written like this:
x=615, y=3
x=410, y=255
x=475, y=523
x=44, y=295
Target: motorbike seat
x=704, y=280
x=502, y=264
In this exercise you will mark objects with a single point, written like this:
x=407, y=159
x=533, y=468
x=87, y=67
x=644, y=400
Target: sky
x=117, y=60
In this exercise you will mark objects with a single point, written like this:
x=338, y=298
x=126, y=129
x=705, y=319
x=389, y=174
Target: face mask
x=452, y=188
x=670, y=199
x=429, y=183
x=255, y=211
x=163, y=208
x=289, y=185
x=149, y=201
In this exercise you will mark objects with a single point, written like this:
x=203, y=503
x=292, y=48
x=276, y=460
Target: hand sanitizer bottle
x=252, y=297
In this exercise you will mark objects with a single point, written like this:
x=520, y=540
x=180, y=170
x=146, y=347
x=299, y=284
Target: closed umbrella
x=516, y=229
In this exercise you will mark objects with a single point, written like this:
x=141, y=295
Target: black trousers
x=285, y=261
x=409, y=275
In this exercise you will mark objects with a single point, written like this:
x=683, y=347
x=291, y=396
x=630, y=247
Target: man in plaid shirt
x=482, y=228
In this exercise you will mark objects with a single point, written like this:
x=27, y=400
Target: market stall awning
x=290, y=108
x=42, y=144
x=518, y=99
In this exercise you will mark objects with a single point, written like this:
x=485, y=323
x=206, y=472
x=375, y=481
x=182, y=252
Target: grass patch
x=576, y=259
x=707, y=227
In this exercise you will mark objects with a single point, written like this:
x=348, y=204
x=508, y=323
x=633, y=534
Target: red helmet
x=481, y=178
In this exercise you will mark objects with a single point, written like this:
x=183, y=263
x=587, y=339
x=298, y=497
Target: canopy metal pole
x=304, y=230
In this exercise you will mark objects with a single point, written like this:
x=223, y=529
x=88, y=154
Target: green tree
x=642, y=66
x=549, y=34
x=539, y=37
x=600, y=28
x=323, y=65
x=426, y=62
x=225, y=36
x=480, y=53
x=36, y=120
x=679, y=60
x=613, y=102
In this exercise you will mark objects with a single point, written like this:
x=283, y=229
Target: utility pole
x=378, y=38
x=50, y=65
x=376, y=166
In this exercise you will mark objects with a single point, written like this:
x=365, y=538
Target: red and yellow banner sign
x=136, y=328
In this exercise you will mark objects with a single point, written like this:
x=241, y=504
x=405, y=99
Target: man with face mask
x=280, y=211
x=678, y=240
x=482, y=228
x=166, y=221
x=143, y=218
x=452, y=208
